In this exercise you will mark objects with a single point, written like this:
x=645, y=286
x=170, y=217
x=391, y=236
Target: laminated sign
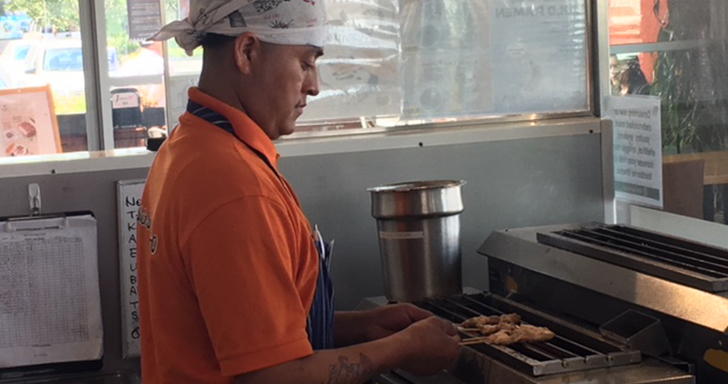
x=145, y=18
x=637, y=148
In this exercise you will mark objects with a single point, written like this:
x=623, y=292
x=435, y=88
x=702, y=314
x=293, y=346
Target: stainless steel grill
x=573, y=349
x=656, y=292
x=684, y=262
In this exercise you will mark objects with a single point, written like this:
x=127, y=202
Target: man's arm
x=426, y=348
x=354, y=327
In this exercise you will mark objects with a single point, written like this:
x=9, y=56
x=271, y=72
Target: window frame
x=98, y=83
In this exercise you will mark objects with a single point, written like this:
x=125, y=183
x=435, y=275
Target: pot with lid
x=418, y=223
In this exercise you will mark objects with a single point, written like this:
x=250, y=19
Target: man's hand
x=355, y=327
x=433, y=346
x=387, y=320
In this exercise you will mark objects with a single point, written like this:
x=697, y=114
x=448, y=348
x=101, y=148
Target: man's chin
x=285, y=131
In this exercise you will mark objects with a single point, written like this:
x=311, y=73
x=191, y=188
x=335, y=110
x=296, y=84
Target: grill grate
x=572, y=349
x=678, y=260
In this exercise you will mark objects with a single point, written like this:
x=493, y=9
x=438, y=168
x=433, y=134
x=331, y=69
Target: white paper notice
x=540, y=55
x=50, y=307
x=129, y=200
x=637, y=148
x=446, y=59
x=177, y=87
x=359, y=73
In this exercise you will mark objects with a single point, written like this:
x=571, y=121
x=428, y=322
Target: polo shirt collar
x=245, y=128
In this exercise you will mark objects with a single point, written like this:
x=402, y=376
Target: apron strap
x=321, y=318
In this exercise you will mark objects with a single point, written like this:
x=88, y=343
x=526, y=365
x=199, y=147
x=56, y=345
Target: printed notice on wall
x=145, y=18
x=129, y=201
x=637, y=148
x=50, y=306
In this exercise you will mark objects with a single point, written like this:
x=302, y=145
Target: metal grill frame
x=667, y=257
x=600, y=353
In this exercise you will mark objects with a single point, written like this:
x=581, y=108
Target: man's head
x=259, y=56
x=269, y=81
x=614, y=69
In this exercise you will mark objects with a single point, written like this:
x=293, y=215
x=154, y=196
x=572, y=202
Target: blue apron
x=320, y=324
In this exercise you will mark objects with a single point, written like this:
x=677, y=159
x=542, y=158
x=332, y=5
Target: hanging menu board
x=145, y=18
x=129, y=200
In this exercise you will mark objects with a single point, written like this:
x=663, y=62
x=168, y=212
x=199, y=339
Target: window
x=63, y=59
x=136, y=81
x=406, y=63
x=389, y=63
x=678, y=52
x=42, y=46
x=395, y=63
x=20, y=52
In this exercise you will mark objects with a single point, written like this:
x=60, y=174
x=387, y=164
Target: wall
x=534, y=180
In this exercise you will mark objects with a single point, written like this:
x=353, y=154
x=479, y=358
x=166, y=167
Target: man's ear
x=247, y=48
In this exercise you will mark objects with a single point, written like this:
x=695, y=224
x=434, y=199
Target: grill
x=681, y=261
x=573, y=349
x=657, y=293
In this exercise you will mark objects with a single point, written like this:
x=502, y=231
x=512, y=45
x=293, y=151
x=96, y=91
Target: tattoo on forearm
x=345, y=372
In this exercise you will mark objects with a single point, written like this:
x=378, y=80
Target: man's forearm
x=351, y=365
x=349, y=328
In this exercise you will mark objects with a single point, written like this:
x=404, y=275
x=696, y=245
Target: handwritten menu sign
x=129, y=200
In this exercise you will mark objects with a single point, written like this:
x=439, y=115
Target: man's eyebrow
x=318, y=51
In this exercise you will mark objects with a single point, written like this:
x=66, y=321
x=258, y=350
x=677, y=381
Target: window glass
x=184, y=70
x=411, y=62
x=180, y=64
x=63, y=59
x=390, y=63
x=21, y=52
x=136, y=72
x=40, y=46
x=680, y=55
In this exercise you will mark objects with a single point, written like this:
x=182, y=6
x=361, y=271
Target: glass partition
x=677, y=52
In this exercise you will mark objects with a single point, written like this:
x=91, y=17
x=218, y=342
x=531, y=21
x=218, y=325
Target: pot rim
x=407, y=186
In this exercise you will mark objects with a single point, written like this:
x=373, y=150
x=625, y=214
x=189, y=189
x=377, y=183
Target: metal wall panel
x=511, y=183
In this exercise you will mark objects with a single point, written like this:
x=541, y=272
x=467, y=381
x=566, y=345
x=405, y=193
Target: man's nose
x=311, y=87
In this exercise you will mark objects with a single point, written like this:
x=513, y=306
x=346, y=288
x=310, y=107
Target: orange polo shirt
x=227, y=265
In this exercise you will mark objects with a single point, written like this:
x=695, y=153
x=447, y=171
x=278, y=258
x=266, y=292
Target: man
x=614, y=71
x=233, y=286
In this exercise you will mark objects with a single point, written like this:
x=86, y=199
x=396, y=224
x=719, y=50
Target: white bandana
x=294, y=22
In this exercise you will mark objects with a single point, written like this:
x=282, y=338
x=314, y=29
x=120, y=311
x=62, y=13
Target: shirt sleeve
x=240, y=262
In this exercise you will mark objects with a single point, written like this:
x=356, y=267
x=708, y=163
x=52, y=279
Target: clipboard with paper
x=50, y=306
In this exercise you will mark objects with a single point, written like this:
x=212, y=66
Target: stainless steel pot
x=419, y=238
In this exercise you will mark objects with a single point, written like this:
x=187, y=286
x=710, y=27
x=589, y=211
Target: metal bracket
x=34, y=199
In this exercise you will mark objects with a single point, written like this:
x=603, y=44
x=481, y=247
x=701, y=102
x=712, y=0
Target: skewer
x=463, y=329
x=474, y=340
